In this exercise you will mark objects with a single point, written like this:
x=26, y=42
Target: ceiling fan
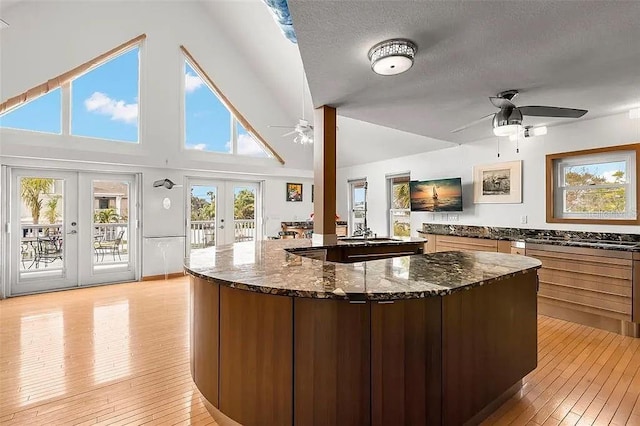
x=508, y=121
x=303, y=129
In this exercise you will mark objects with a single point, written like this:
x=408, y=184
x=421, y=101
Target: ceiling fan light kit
x=508, y=121
x=529, y=132
x=634, y=113
x=392, y=57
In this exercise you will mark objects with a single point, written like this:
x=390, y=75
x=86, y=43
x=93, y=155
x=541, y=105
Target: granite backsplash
x=513, y=234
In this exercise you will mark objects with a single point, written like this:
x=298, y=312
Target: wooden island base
x=281, y=360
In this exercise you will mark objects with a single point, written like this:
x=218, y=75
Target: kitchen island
x=281, y=336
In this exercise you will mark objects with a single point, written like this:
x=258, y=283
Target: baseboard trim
x=162, y=276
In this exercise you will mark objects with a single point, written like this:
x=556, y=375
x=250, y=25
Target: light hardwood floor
x=119, y=355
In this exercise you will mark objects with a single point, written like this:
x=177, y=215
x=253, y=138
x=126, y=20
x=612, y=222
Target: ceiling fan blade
x=548, y=111
x=281, y=127
x=473, y=123
x=290, y=133
x=499, y=102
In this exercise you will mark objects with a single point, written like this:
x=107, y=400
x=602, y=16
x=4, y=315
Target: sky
x=605, y=170
x=104, y=104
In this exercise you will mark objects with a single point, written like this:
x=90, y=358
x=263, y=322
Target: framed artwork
x=436, y=195
x=294, y=191
x=312, y=193
x=498, y=183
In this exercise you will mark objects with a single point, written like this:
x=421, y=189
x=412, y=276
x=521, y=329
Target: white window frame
x=560, y=187
x=353, y=184
x=66, y=107
x=391, y=211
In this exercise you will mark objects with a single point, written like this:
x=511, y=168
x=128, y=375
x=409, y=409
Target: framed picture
x=498, y=183
x=436, y=195
x=294, y=191
x=312, y=193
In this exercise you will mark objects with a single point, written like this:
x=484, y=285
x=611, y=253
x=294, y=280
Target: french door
x=69, y=229
x=221, y=212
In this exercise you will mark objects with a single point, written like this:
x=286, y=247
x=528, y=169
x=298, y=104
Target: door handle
x=73, y=231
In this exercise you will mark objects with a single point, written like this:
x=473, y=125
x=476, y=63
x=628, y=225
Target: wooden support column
x=324, y=176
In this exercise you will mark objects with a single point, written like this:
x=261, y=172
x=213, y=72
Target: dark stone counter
x=267, y=267
x=599, y=240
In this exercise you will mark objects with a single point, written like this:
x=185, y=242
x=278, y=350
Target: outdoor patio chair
x=109, y=246
x=287, y=234
x=47, y=250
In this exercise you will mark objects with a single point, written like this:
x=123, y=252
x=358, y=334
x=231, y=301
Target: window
x=104, y=101
x=100, y=95
x=399, y=206
x=357, y=205
x=211, y=123
x=207, y=120
x=593, y=186
x=42, y=114
x=247, y=144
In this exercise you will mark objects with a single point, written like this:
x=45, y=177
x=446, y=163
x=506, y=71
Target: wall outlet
x=523, y=219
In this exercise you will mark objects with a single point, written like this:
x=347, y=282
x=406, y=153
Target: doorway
x=70, y=229
x=221, y=212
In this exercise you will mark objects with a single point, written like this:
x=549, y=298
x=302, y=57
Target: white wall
x=47, y=38
x=459, y=161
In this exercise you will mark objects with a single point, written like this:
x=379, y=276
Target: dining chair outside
x=109, y=246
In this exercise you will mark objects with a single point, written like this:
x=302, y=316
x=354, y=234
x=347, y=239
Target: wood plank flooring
x=116, y=355
x=119, y=355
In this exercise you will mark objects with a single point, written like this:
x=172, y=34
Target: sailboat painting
x=439, y=195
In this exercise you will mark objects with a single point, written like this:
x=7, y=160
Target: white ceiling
x=580, y=54
x=250, y=25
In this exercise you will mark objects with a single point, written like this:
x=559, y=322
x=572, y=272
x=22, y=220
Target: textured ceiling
x=253, y=31
x=580, y=54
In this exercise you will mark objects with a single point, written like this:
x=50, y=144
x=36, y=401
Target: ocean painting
x=438, y=195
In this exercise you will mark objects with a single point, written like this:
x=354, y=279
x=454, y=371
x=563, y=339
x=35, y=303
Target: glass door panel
x=110, y=224
x=204, y=223
x=43, y=231
x=109, y=240
x=244, y=212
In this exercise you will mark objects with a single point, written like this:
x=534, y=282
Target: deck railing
x=203, y=232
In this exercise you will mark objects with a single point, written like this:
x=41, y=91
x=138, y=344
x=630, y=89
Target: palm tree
x=52, y=209
x=106, y=216
x=31, y=191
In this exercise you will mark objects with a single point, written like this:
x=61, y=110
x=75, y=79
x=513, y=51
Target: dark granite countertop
x=266, y=267
x=598, y=240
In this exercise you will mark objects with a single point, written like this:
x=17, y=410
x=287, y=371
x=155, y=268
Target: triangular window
x=211, y=123
x=104, y=101
x=207, y=120
x=42, y=114
x=103, y=94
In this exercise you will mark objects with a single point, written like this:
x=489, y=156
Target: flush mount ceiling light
x=507, y=122
x=392, y=57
